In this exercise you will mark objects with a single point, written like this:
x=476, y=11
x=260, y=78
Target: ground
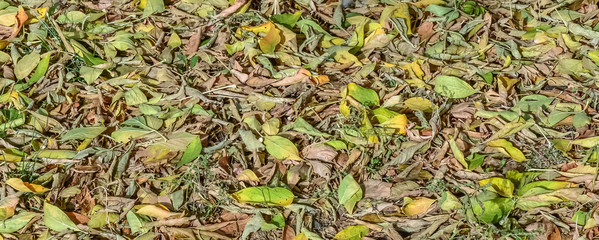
x=299, y=119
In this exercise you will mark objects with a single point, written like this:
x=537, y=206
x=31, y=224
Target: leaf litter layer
x=305, y=119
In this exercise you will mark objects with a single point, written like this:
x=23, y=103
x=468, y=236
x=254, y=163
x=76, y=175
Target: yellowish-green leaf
x=502, y=186
x=587, y=142
x=269, y=42
x=453, y=87
x=457, y=153
x=352, y=233
x=16, y=222
x=125, y=134
x=277, y=196
x=449, y=201
x=174, y=41
x=419, y=104
x=82, y=133
x=56, y=219
x=365, y=96
x=135, y=96
x=193, y=151
x=507, y=148
x=26, y=65
x=153, y=6
x=349, y=193
x=281, y=148
x=57, y=154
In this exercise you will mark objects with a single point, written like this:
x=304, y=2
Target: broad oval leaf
x=507, y=148
x=281, y=148
x=82, y=133
x=453, y=87
x=365, y=96
x=277, y=196
x=193, y=151
x=502, y=186
x=56, y=219
x=349, y=193
x=417, y=206
x=352, y=233
x=16, y=222
x=18, y=184
x=157, y=211
x=26, y=65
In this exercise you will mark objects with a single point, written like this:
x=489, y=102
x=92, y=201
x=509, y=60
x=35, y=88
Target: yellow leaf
x=414, y=69
x=502, y=186
x=419, y=104
x=247, y=175
x=18, y=184
x=7, y=207
x=403, y=11
x=425, y=3
x=344, y=56
x=507, y=148
x=157, y=211
x=300, y=236
x=417, y=205
x=269, y=42
x=277, y=196
x=398, y=122
x=264, y=28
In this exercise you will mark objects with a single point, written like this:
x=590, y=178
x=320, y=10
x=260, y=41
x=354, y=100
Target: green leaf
x=475, y=160
x=250, y=141
x=532, y=103
x=349, y=193
x=56, y=219
x=438, y=10
x=82, y=133
x=40, y=72
x=493, y=210
x=581, y=217
x=136, y=222
x=352, y=233
x=281, y=148
x=101, y=219
x=153, y=6
x=286, y=19
x=365, y=96
x=90, y=74
x=541, y=187
x=72, y=17
x=16, y=222
x=26, y=65
x=301, y=125
x=587, y=142
x=337, y=144
x=277, y=196
x=193, y=151
x=449, y=202
x=135, y=96
x=580, y=119
x=502, y=186
x=453, y=87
